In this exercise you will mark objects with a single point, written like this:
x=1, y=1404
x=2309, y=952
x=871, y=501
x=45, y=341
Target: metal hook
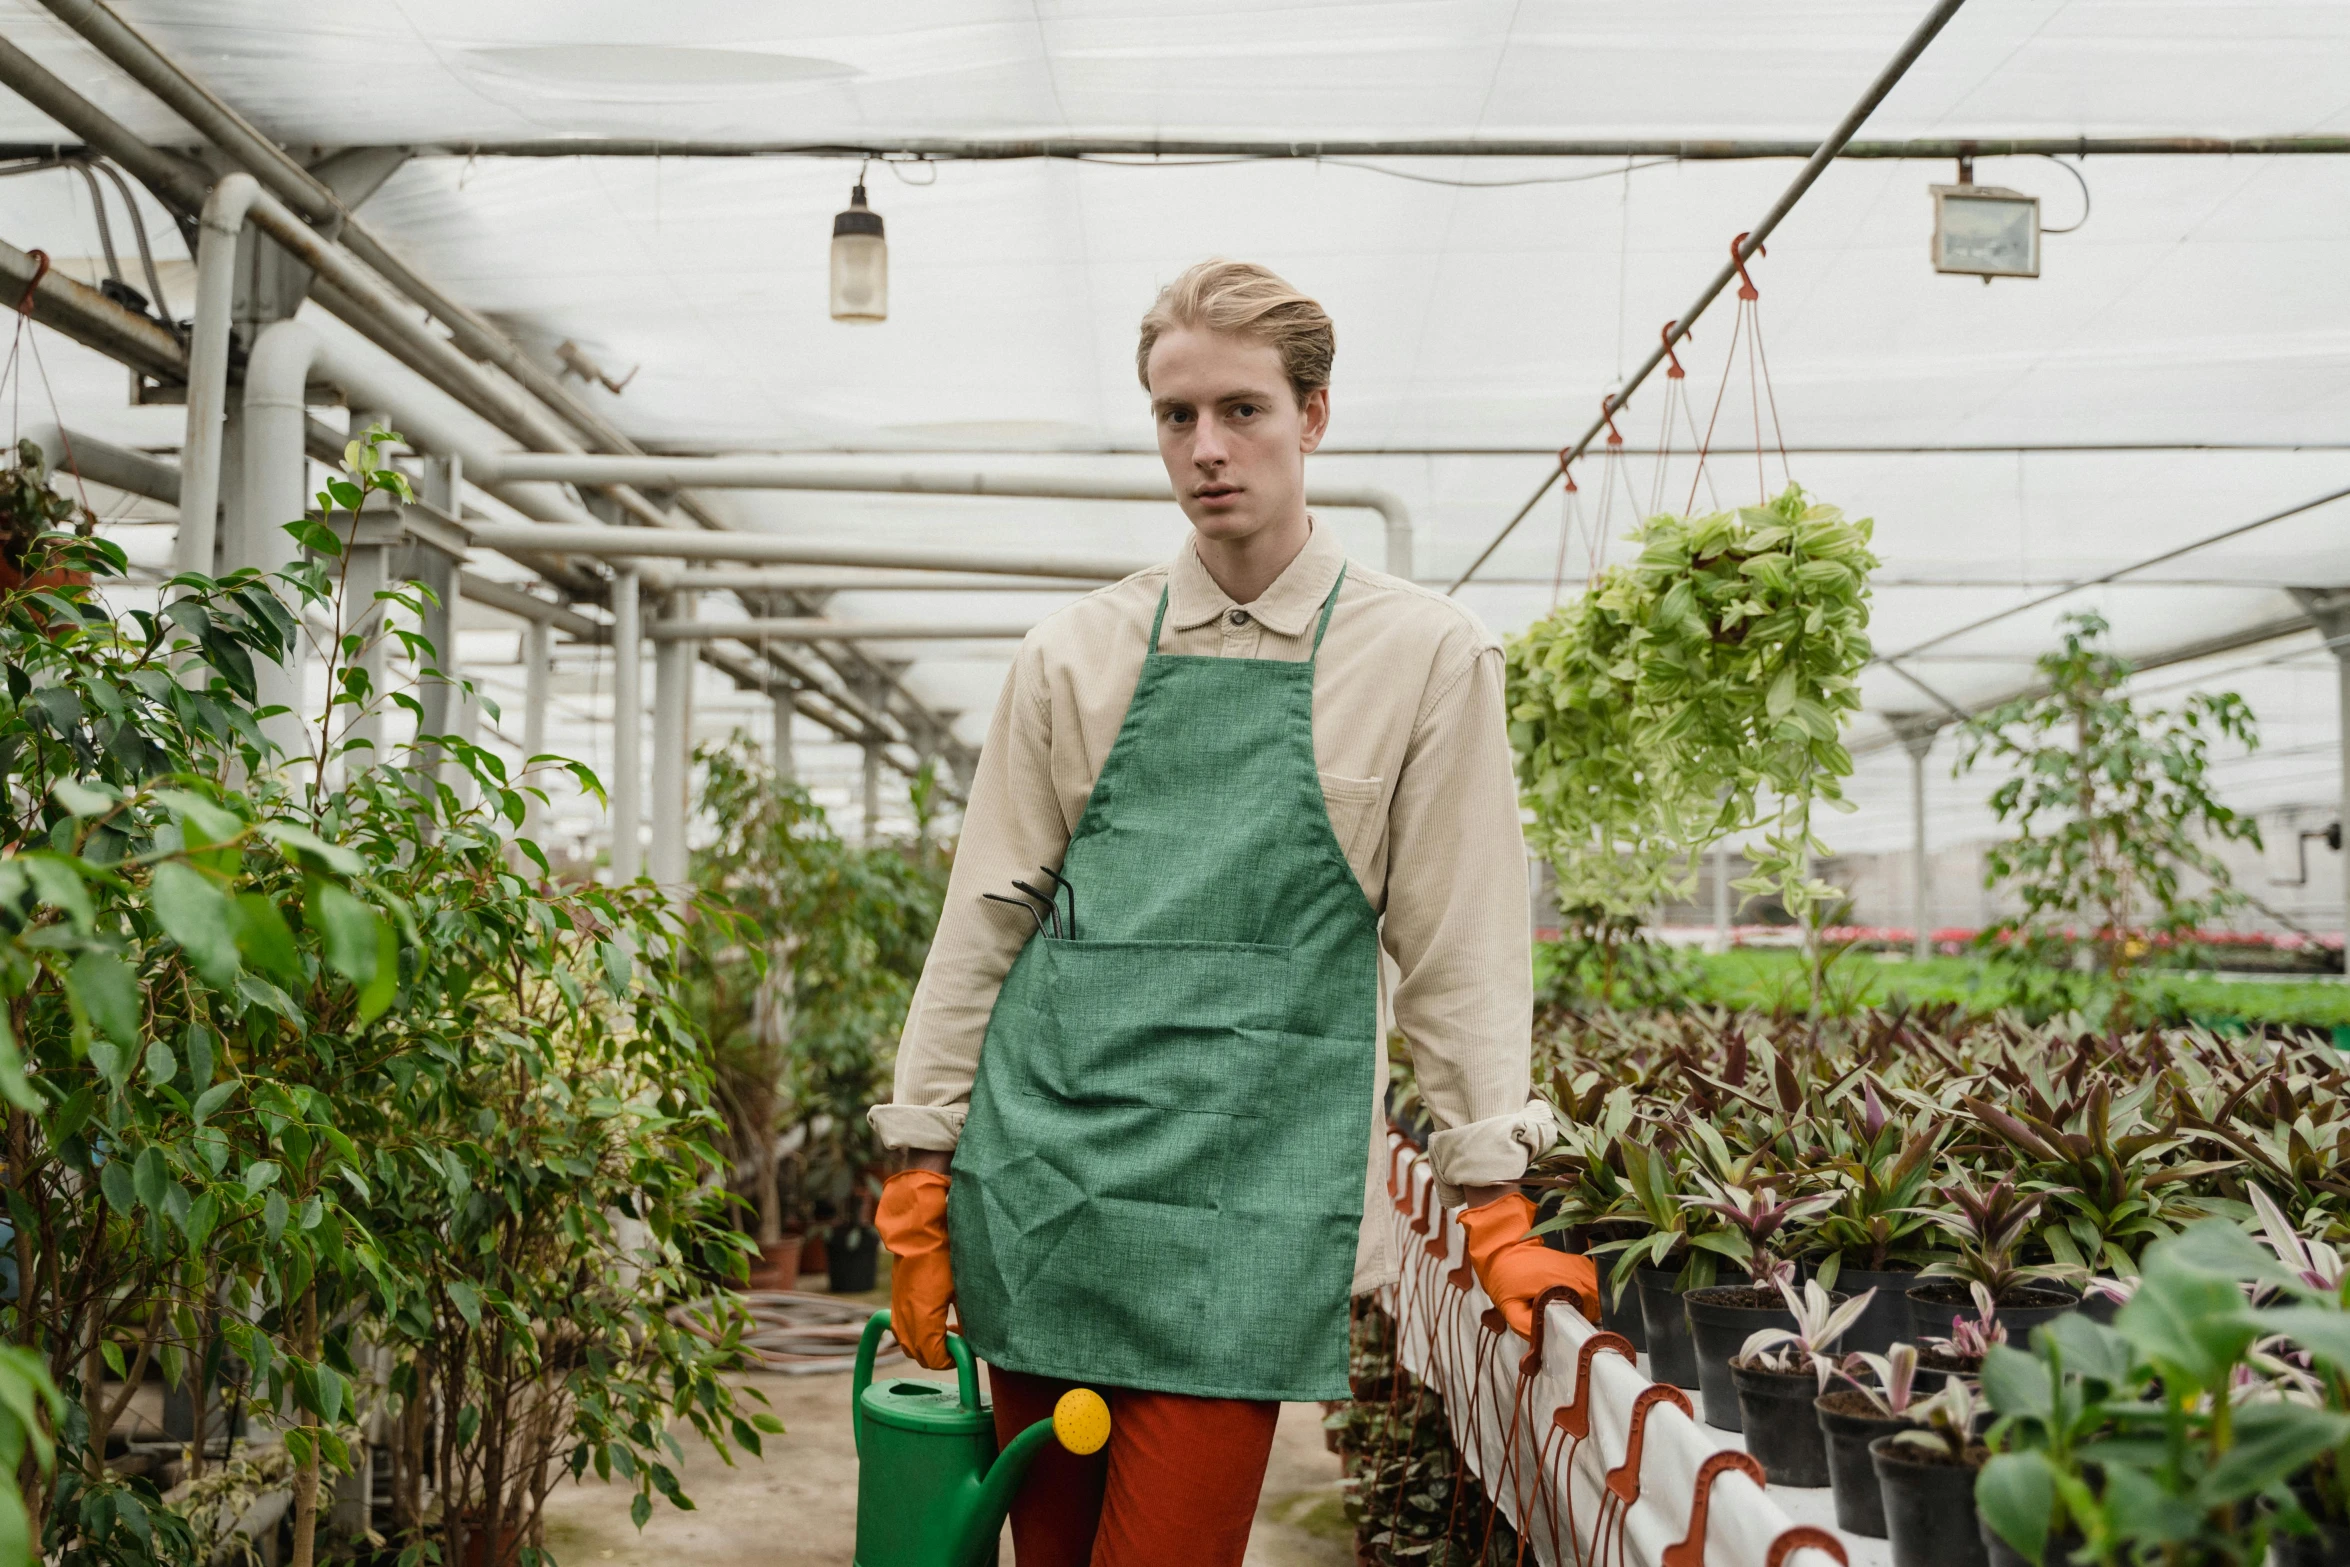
x=1018, y=903
x=1607, y=412
x=1060, y=881
x=1746, y=288
x=1052, y=904
x=1675, y=372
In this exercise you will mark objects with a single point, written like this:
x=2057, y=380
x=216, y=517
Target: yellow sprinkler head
x=1082, y=1421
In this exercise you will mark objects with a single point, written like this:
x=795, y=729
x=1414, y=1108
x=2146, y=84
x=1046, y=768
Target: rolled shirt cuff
x=934, y=1127
x=1488, y=1152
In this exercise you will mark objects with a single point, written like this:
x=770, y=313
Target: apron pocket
x=1160, y=1023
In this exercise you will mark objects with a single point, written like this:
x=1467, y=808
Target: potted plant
x=1926, y=1479
x=1988, y=1227
x=1961, y=1354
x=1723, y=1318
x=1853, y=1416
x=1870, y=1233
x=1641, y=1262
x=1780, y=1372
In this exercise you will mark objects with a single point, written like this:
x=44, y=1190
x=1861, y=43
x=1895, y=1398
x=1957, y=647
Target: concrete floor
x=797, y=1508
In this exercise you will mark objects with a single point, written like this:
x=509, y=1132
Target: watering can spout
x=1080, y=1422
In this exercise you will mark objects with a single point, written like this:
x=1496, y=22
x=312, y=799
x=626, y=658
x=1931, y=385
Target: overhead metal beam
x=674, y=544
x=827, y=630
x=1687, y=149
x=867, y=579
x=91, y=319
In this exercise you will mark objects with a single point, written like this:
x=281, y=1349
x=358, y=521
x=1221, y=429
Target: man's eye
x=1244, y=410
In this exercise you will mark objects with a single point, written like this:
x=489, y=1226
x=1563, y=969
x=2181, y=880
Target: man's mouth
x=1215, y=492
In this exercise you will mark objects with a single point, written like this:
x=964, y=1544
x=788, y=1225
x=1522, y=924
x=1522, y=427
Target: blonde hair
x=1251, y=301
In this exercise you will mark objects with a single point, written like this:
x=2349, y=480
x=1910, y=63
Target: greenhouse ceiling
x=2180, y=367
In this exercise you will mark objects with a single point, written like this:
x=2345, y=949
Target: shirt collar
x=1289, y=606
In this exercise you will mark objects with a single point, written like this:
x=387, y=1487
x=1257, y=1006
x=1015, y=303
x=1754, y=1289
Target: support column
x=538, y=678
x=2328, y=609
x=1722, y=896
x=628, y=721
x=1916, y=732
x=872, y=794
x=673, y=692
x=363, y=616
x=787, y=765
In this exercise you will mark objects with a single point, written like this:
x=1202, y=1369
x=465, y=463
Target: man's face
x=1231, y=430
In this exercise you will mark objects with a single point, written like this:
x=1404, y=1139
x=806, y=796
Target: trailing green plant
x=2115, y=818
x=302, y=1076
x=1695, y=693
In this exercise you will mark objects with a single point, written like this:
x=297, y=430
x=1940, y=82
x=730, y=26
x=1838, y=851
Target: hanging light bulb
x=860, y=263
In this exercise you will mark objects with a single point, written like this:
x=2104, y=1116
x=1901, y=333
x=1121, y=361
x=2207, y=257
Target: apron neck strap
x=1321, y=627
x=1328, y=605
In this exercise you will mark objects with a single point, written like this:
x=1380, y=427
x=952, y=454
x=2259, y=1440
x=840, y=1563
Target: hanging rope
x=25, y=339
x=1746, y=336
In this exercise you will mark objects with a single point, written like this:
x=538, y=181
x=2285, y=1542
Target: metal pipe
x=608, y=543
x=869, y=579
x=673, y=663
x=784, y=473
x=939, y=149
x=1740, y=253
x=787, y=765
x=275, y=463
x=103, y=462
x=216, y=279
x=628, y=725
x=818, y=630
x=178, y=182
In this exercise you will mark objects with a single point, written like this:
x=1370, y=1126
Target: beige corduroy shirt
x=1412, y=743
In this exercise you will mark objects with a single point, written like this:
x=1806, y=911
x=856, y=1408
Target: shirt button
x=1238, y=617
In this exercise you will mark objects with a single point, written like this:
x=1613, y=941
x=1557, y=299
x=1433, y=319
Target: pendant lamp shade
x=860, y=263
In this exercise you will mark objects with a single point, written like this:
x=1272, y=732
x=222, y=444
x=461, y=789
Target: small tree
x=2114, y=814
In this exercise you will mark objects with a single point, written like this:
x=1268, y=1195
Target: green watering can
x=932, y=1490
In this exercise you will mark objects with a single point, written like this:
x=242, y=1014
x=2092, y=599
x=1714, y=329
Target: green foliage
x=2184, y=1432
x=799, y=970
x=312, y=1095
x=2114, y=817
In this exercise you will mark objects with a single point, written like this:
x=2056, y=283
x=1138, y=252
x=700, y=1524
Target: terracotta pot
x=779, y=1267
x=479, y=1551
x=813, y=1256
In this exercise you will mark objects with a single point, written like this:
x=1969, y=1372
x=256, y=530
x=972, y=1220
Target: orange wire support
x=1691, y=1551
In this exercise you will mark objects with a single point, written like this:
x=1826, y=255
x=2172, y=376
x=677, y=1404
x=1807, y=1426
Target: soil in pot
x=1848, y=1424
x=855, y=1255
x=1672, y=1355
x=1772, y=1408
x=1936, y=1303
x=1720, y=1321
x=1936, y=1369
x=1929, y=1500
x=1886, y=1322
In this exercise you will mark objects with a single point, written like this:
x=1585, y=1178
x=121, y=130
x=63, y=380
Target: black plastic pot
x=1936, y=1303
x=1772, y=1408
x=1672, y=1356
x=1860, y=1505
x=2329, y=1547
x=1623, y=1315
x=1720, y=1321
x=1886, y=1322
x=853, y=1250
x=2099, y=1308
x=1929, y=1509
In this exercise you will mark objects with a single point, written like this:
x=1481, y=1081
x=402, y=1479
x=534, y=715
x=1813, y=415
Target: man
x=1234, y=779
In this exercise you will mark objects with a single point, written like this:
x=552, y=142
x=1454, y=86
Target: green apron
x=1160, y=1184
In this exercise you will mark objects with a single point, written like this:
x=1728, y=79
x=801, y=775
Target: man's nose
x=1207, y=445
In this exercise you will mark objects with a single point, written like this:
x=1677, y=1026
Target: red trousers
x=1176, y=1486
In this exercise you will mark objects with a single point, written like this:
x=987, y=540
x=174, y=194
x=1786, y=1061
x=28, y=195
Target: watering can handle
x=966, y=1373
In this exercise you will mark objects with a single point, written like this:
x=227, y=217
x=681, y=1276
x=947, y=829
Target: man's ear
x=1313, y=419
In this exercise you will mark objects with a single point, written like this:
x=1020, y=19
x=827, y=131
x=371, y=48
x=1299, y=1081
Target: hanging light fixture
x=860, y=262
x=1985, y=231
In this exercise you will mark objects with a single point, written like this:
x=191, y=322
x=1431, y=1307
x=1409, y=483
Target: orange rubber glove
x=1514, y=1267
x=912, y=1220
